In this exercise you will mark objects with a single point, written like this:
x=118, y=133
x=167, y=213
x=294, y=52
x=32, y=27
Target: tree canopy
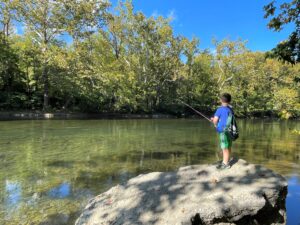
x=281, y=15
x=86, y=56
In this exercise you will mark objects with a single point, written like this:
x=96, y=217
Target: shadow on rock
x=200, y=194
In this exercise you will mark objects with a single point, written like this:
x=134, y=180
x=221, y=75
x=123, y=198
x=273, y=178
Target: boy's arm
x=215, y=120
x=216, y=117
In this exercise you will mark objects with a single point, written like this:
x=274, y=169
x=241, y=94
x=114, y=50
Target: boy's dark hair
x=225, y=97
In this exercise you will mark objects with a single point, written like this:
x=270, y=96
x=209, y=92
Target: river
x=50, y=168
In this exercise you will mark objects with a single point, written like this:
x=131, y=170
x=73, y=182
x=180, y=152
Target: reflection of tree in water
x=54, y=157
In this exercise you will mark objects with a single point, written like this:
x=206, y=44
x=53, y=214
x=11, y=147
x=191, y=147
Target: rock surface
x=200, y=194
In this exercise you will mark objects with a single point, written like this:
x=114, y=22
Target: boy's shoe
x=220, y=162
x=223, y=166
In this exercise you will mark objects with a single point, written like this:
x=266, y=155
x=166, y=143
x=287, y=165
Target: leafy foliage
x=288, y=50
x=125, y=62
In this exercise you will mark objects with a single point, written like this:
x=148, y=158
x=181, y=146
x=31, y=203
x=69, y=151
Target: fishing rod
x=199, y=113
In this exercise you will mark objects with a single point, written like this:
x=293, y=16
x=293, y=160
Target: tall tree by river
x=89, y=57
x=47, y=19
x=281, y=15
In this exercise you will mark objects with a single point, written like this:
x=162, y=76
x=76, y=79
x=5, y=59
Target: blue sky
x=207, y=19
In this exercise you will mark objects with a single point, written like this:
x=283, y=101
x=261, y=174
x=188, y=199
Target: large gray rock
x=201, y=194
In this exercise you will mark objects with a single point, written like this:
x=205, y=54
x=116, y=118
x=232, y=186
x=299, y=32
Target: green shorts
x=225, y=140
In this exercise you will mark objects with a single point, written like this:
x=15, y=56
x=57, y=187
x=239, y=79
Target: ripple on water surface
x=49, y=169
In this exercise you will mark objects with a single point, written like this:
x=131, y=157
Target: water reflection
x=61, y=191
x=13, y=193
x=293, y=201
x=50, y=169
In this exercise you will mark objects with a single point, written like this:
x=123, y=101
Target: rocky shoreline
x=200, y=194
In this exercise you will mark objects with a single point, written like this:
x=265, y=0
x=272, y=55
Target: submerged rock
x=201, y=194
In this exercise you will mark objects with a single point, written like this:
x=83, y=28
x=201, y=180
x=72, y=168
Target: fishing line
x=199, y=113
x=204, y=116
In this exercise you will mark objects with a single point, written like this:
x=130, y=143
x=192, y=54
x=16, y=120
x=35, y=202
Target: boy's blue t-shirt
x=222, y=113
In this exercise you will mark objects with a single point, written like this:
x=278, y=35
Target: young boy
x=219, y=120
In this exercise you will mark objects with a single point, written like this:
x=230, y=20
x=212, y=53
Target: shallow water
x=49, y=169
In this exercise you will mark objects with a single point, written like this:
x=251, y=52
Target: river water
x=50, y=168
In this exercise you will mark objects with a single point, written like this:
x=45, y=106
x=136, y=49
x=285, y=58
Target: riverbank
x=39, y=115
x=70, y=115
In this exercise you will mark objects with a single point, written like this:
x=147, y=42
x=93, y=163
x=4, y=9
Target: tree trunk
x=45, y=70
x=46, y=87
x=65, y=106
x=7, y=27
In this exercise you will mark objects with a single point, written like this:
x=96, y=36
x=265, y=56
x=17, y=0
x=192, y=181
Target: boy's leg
x=225, y=143
x=226, y=155
x=230, y=156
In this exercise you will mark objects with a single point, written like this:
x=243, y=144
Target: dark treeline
x=84, y=56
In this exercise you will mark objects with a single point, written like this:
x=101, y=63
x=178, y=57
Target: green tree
x=285, y=13
x=11, y=76
x=120, y=60
x=48, y=19
x=7, y=16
